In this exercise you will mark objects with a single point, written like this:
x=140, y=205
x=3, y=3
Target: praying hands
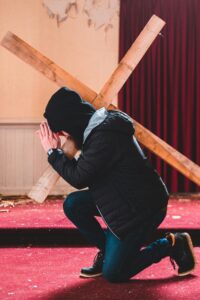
x=48, y=138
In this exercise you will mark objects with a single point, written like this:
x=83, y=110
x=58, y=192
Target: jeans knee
x=70, y=205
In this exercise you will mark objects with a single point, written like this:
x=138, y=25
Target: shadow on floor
x=169, y=288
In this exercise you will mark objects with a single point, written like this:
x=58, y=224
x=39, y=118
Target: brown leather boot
x=182, y=252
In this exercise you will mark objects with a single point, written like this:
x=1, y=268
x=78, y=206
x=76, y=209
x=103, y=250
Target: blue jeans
x=122, y=258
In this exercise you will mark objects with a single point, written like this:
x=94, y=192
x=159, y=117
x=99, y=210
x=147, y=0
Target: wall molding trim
x=22, y=158
x=19, y=121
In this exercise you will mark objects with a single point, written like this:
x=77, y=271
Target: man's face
x=68, y=137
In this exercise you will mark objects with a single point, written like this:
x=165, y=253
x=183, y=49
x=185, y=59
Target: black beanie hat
x=68, y=112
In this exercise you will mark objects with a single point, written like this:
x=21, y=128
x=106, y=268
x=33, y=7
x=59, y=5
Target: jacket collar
x=97, y=118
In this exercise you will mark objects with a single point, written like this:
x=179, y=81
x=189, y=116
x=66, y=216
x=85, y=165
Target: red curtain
x=163, y=93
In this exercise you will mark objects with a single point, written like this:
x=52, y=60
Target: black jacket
x=124, y=186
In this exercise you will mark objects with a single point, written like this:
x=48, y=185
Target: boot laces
x=98, y=256
x=171, y=237
x=172, y=261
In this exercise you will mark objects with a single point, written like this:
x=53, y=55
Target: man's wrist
x=52, y=150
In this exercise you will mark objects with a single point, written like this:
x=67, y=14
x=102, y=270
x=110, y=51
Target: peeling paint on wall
x=100, y=13
x=59, y=9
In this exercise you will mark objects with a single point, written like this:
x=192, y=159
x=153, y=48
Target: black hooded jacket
x=124, y=186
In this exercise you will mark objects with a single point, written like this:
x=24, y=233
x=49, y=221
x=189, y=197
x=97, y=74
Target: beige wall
x=23, y=160
x=88, y=54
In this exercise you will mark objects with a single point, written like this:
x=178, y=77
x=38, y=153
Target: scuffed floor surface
x=52, y=274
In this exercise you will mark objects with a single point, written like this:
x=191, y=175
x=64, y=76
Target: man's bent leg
x=124, y=258
x=79, y=207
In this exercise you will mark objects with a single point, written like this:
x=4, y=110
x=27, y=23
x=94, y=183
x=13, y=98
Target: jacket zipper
x=107, y=223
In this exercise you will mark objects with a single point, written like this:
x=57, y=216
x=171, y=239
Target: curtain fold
x=163, y=93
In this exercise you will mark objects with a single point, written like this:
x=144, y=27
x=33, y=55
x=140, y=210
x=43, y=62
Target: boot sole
x=89, y=276
x=191, y=247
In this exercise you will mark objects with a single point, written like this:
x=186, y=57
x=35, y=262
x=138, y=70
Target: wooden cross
x=111, y=88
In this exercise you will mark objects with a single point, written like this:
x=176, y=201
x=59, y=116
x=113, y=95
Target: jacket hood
x=119, y=122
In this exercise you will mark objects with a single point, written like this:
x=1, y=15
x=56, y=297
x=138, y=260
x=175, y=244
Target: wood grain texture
x=110, y=89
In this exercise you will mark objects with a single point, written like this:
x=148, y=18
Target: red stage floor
x=182, y=214
x=52, y=274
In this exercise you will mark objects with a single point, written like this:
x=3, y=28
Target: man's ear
x=63, y=133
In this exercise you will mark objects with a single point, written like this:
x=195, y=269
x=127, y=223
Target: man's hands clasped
x=48, y=138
